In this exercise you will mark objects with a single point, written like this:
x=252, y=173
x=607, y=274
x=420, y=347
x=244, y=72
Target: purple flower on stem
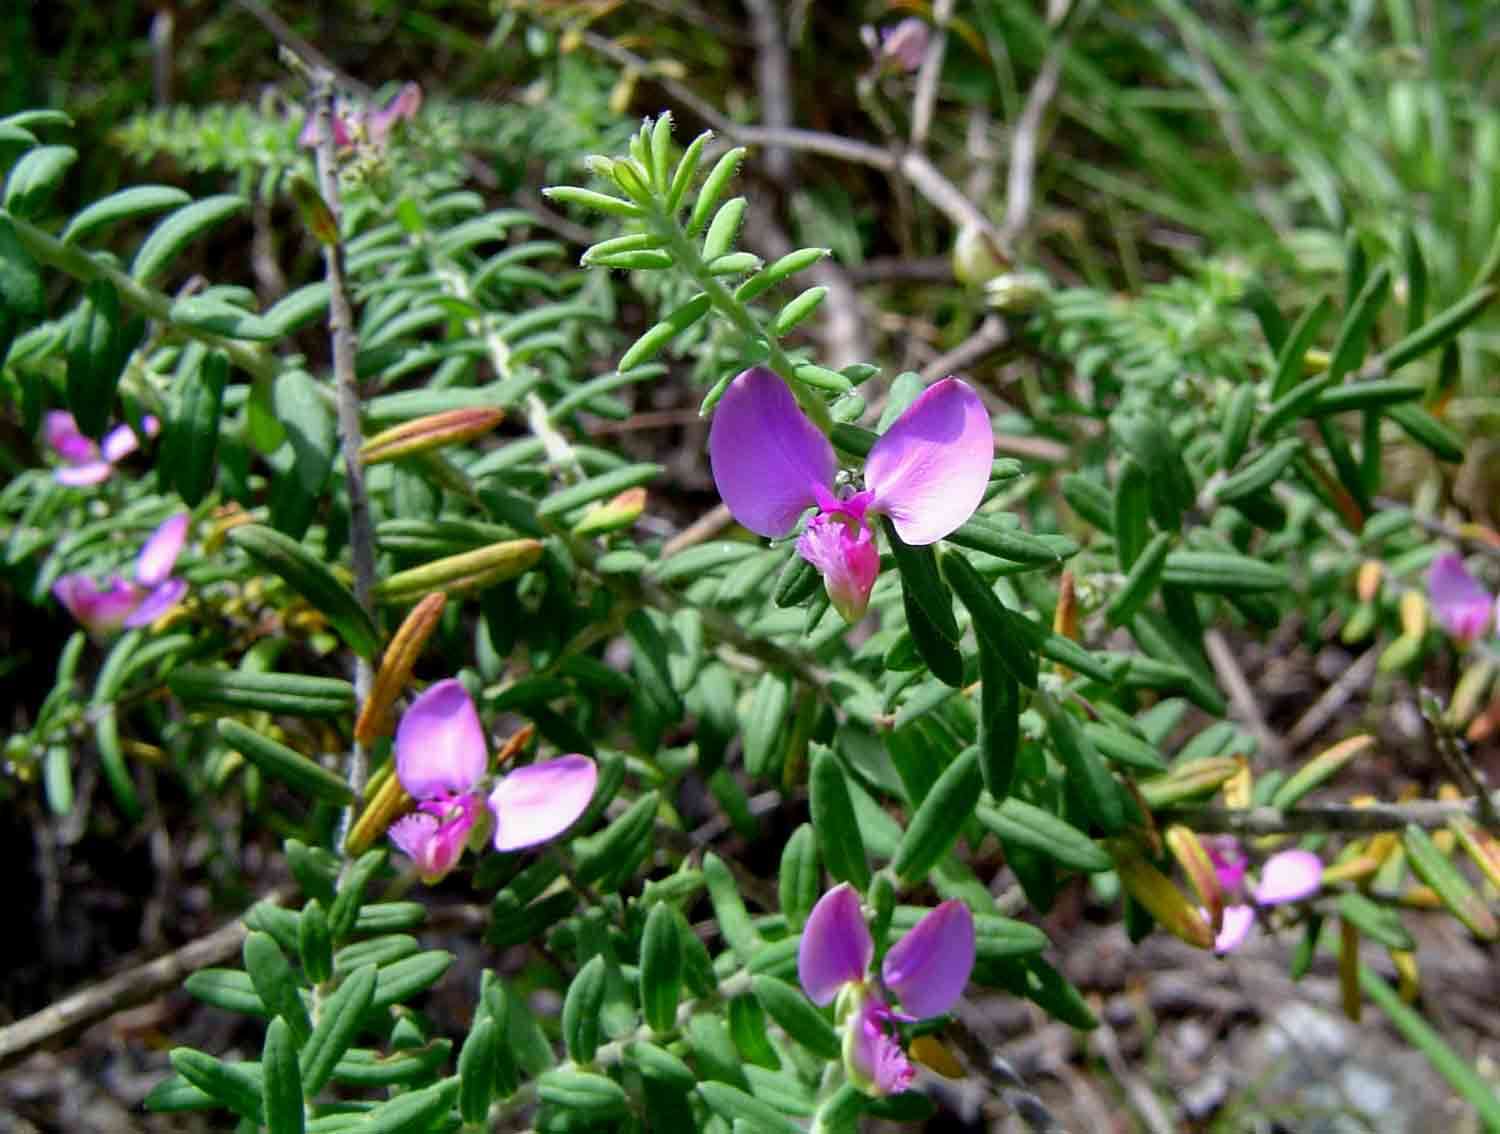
x=1289, y=876
x=1466, y=609
x=927, y=473
x=926, y=970
x=353, y=123
x=904, y=45
x=84, y=461
x=121, y=602
x=442, y=760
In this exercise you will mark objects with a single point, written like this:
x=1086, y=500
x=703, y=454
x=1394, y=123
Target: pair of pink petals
x=1289, y=876
x=442, y=757
x=928, y=473
x=124, y=603
x=360, y=123
x=1465, y=609
x=927, y=970
x=84, y=461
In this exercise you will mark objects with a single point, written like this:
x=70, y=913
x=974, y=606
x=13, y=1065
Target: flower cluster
x=1289, y=876
x=1465, y=609
x=85, y=462
x=926, y=971
x=129, y=603
x=442, y=760
x=928, y=473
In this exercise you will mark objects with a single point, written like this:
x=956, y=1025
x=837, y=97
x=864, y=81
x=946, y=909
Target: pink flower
x=122, y=603
x=356, y=123
x=927, y=473
x=926, y=970
x=1289, y=876
x=85, y=462
x=904, y=45
x=441, y=761
x=1465, y=608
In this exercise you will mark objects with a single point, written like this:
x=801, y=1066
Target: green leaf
x=982, y=534
x=310, y=578
x=581, y=1009
x=1441, y=328
x=275, y=982
x=1087, y=773
x=338, y=1022
x=939, y=820
x=177, y=231
x=281, y=1081
x=589, y=199
x=285, y=764
x=232, y=1085
x=796, y=1016
x=610, y=856
x=1433, y=867
x=719, y=240
x=1223, y=572
x=1017, y=821
x=127, y=204
x=412, y=1113
x=409, y=976
x=797, y=311
x=798, y=877
x=839, y=840
x=729, y=908
x=596, y=488
x=21, y=291
x=299, y=483
x=476, y=1071
x=191, y=435
x=1354, y=333
x=228, y=989
x=1379, y=923
x=315, y=942
x=650, y=344
x=35, y=178
x=1140, y=584
x=95, y=357
x=661, y=967
x=1428, y=431
x=592, y=1098
x=734, y=1105
x=713, y=188
x=1132, y=513
x=293, y=694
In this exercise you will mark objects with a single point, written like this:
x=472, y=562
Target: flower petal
x=162, y=599
x=929, y=967
x=80, y=476
x=440, y=746
x=435, y=843
x=929, y=470
x=1462, y=605
x=119, y=443
x=159, y=553
x=871, y=1054
x=403, y=104
x=1238, y=921
x=65, y=438
x=541, y=801
x=767, y=457
x=846, y=556
x=836, y=947
x=98, y=609
x=1229, y=861
x=1289, y=877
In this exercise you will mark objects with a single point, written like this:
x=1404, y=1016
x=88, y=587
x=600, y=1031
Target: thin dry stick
x=134, y=986
x=925, y=99
x=1325, y=817
x=1005, y=1081
x=1457, y=761
x=989, y=336
x=287, y=36
x=1240, y=694
x=1337, y=695
x=1021, y=177
x=773, y=70
x=1446, y=530
x=346, y=396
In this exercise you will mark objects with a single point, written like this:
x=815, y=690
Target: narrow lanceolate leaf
x=596, y=488
x=285, y=764
x=190, y=438
x=798, y=310
x=1428, y=431
x=291, y=693
x=1354, y=333
x=589, y=199
x=1190, y=779
x=939, y=820
x=413, y=1113
x=1319, y=769
x=1433, y=867
x=232, y=1085
x=719, y=240
x=839, y=839
x=127, y=204
x=645, y=348
x=798, y=877
x=729, y=909
x=176, y=232
x=687, y=168
x=21, y=294
x=920, y=577
x=281, y=1081
x=1223, y=572
x=1260, y=473
x=1441, y=328
x=661, y=967
x=593, y=1098
x=452, y=427
x=396, y=666
x=581, y=1008
x=999, y=721
x=1140, y=584
x=1017, y=821
x=1156, y=893
x=736, y=1107
x=713, y=188
x=310, y=578
x=1377, y=922
x=764, y=727
x=456, y=574
x=338, y=1023
x=95, y=357
x=796, y=1016
x=1234, y=429
x=476, y=1071
x=275, y=982
x=1365, y=396
x=1088, y=775
x=35, y=178
x=778, y=270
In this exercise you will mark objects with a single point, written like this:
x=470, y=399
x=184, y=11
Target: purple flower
x=122, y=603
x=926, y=971
x=356, y=123
x=441, y=761
x=85, y=462
x=1464, y=607
x=904, y=45
x=1289, y=876
x=927, y=473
